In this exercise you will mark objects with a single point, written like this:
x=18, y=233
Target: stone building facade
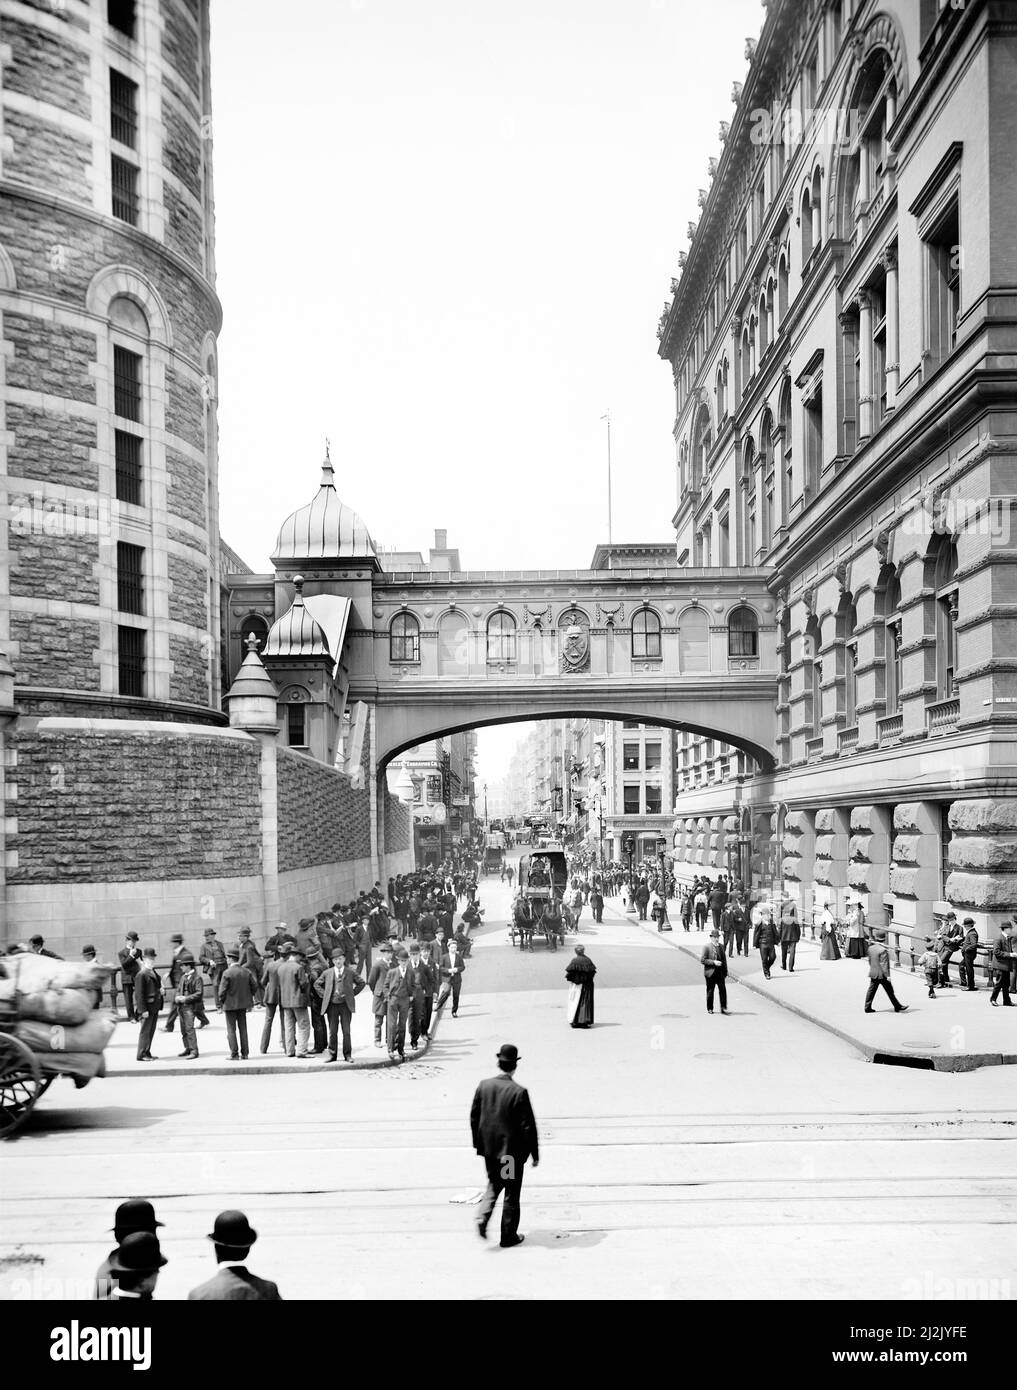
x=842, y=341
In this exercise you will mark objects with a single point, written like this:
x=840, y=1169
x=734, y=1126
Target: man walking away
x=270, y=995
x=399, y=986
x=234, y=1283
x=714, y=963
x=236, y=998
x=879, y=975
x=294, y=984
x=716, y=901
x=505, y=1135
x=148, y=989
x=131, y=1217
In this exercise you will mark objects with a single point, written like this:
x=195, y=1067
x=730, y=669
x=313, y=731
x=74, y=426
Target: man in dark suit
x=131, y=1217
x=270, y=994
x=251, y=959
x=879, y=975
x=337, y=988
x=234, y=1283
x=236, y=998
x=429, y=961
x=129, y=957
x=294, y=988
x=188, y=1000
x=38, y=945
x=177, y=961
x=505, y=1135
x=376, y=984
x=453, y=963
x=148, y=987
x=423, y=985
x=790, y=935
x=212, y=958
x=275, y=941
x=399, y=987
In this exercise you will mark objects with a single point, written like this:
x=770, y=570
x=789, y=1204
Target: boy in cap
x=131, y=1217
x=929, y=962
x=233, y=1237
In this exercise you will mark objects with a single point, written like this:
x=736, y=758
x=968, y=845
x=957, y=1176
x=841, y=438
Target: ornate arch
x=115, y=280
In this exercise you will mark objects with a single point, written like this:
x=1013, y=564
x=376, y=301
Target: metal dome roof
x=296, y=633
x=326, y=529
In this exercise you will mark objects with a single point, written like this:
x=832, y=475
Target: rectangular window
x=851, y=373
x=945, y=836
x=723, y=540
x=295, y=733
x=809, y=86
x=943, y=252
x=125, y=190
x=128, y=459
x=630, y=724
x=123, y=109
x=652, y=756
x=878, y=298
x=131, y=661
x=630, y=757
x=653, y=799
x=631, y=800
x=130, y=584
x=813, y=414
x=122, y=16
x=127, y=384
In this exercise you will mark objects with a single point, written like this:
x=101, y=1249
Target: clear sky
x=445, y=232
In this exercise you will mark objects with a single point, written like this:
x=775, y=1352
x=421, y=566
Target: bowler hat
x=233, y=953
x=136, y=1215
x=414, y=949
x=968, y=922
x=210, y=931
x=232, y=1228
x=508, y=1052
x=177, y=939
x=132, y=936
x=185, y=958
x=137, y=1253
x=88, y=950
x=36, y=940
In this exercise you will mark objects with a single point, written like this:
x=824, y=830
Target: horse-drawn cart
x=537, y=910
x=50, y=1026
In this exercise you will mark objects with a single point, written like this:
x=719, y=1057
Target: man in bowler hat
x=135, y=1265
x=505, y=1135
x=131, y=1217
x=236, y=997
x=233, y=1237
x=879, y=975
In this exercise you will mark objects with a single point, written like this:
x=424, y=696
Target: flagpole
x=607, y=417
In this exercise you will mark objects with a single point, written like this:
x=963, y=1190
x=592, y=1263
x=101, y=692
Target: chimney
x=441, y=540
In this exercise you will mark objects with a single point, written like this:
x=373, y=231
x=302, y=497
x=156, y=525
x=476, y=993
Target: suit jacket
x=276, y=940
x=448, y=969
x=176, y=970
x=212, y=953
x=148, y=989
x=790, y=930
x=130, y=963
x=433, y=965
x=235, y=1284
x=879, y=962
x=250, y=958
x=399, y=989
x=713, y=959
x=270, y=981
x=324, y=987
x=766, y=934
x=294, y=983
x=236, y=988
x=376, y=979
x=189, y=986
x=502, y=1120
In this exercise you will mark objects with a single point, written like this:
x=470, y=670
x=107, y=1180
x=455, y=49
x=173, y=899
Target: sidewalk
x=953, y=1032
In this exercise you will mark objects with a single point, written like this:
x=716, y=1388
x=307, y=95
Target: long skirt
x=856, y=948
x=830, y=949
x=580, y=1006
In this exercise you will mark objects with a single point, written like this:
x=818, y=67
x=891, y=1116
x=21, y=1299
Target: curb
x=949, y=1062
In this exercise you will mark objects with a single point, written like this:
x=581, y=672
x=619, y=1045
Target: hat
x=135, y=1216
x=508, y=1052
x=401, y=954
x=233, y=953
x=232, y=1228
x=177, y=938
x=950, y=914
x=132, y=936
x=715, y=932
x=88, y=950
x=286, y=948
x=36, y=940
x=414, y=949
x=137, y=1253
x=210, y=931
x=968, y=922
x=185, y=958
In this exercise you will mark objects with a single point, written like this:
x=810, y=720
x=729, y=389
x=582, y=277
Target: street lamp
x=661, y=849
x=629, y=847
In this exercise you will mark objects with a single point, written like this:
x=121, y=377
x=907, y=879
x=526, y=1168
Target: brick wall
x=120, y=807
x=48, y=357
x=45, y=156
x=184, y=410
x=29, y=232
x=397, y=825
x=188, y=600
x=180, y=44
x=189, y=681
x=42, y=62
x=58, y=652
x=48, y=448
x=58, y=567
x=322, y=820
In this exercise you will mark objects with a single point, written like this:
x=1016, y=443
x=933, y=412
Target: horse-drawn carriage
x=50, y=1025
x=539, y=908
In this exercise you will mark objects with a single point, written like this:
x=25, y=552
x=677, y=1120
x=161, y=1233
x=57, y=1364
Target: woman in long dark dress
x=580, y=973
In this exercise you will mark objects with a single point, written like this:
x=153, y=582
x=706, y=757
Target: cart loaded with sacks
x=51, y=1024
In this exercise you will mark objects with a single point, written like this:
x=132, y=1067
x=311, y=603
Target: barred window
x=131, y=661
x=295, y=732
x=123, y=108
x=128, y=460
x=125, y=190
x=122, y=16
x=130, y=584
x=404, y=638
x=126, y=384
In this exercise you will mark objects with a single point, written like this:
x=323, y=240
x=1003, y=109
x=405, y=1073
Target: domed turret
x=296, y=633
x=326, y=529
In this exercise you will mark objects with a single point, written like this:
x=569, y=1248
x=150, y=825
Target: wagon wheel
x=20, y=1084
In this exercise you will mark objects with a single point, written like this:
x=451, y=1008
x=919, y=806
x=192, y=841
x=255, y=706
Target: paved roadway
x=683, y=1155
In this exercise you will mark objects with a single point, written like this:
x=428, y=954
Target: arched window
x=847, y=622
x=749, y=504
x=891, y=640
x=805, y=217
x=765, y=465
x=743, y=633
x=404, y=638
x=645, y=635
x=501, y=638
x=764, y=325
x=253, y=626
x=782, y=288
x=693, y=641
x=786, y=473
x=817, y=209
x=721, y=401
x=702, y=441
x=945, y=581
x=453, y=644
